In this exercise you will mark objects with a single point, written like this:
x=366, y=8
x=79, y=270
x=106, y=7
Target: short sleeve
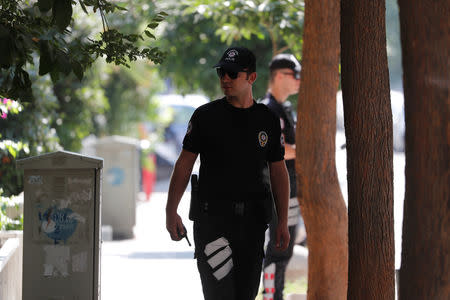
x=191, y=141
x=276, y=141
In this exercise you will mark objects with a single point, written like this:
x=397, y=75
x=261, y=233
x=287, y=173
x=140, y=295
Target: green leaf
x=12, y=151
x=121, y=8
x=6, y=58
x=77, y=69
x=149, y=34
x=62, y=13
x=45, y=5
x=63, y=63
x=22, y=81
x=54, y=75
x=83, y=7
x=152, y=25
x=158, y=18
x=46, y=58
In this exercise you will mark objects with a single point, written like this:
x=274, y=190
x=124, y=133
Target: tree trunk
x=369, y=138
x=425, y=35
x=320, y=197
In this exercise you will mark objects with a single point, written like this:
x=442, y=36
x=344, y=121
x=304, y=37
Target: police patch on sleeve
x=282, y=140
x=263, y=138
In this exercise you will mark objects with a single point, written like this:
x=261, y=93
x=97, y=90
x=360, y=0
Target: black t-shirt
x=235, y=145
x=287, y=123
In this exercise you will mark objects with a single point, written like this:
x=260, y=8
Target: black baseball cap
x=237, y=59
x=285, y=61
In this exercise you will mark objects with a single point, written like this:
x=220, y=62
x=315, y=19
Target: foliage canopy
x=31, y=30
x=279, y=21
x=198, y=32
x=49, y=62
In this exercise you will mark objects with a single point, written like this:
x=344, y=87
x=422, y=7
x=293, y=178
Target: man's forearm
x=280, y=188
x=178, y=182
x=177, y=187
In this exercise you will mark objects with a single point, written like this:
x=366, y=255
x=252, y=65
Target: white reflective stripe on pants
x=224, y=270
x=215, y=245
x=219, y=257
x=294, y=211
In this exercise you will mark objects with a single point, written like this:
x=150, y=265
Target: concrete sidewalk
x=151, y=266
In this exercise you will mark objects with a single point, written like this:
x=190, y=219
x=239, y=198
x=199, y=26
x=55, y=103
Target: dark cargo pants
x=229, y=254
x=275, y=262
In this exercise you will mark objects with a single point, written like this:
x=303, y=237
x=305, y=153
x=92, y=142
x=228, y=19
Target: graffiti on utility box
x=62, y=206
x=59, y=224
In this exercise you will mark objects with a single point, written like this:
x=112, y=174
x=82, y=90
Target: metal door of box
x=61, y=241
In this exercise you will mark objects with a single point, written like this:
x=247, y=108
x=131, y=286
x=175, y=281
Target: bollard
x=61, y=239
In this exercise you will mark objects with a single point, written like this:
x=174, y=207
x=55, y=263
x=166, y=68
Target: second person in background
x=284, y=81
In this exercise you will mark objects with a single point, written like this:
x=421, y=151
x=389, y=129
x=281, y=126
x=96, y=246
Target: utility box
x=121, y=183
x=61, y=239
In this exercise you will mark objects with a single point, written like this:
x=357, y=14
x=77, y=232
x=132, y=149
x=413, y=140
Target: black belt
x=238, y=209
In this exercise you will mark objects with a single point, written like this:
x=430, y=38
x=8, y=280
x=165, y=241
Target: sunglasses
x=221, y=73
x=296, y=75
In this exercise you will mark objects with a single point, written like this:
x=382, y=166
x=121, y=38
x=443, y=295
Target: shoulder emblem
x=263, y=138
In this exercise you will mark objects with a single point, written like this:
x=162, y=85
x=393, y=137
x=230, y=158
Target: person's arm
x=178, y=182
x=289, y=151
x=279, y=180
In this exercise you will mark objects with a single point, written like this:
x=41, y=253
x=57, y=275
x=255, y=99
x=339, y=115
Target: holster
x=194, y=209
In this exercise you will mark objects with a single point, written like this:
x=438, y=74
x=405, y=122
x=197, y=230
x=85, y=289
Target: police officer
x=284, y=81
x=237, y=139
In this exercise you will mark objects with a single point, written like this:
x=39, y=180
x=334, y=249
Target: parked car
x=177, y=111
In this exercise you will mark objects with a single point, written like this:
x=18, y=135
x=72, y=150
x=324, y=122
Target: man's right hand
x=178, y=182
x=282, y=236
x=174, y=225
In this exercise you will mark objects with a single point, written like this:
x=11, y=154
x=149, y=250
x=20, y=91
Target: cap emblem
x=231, y=55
